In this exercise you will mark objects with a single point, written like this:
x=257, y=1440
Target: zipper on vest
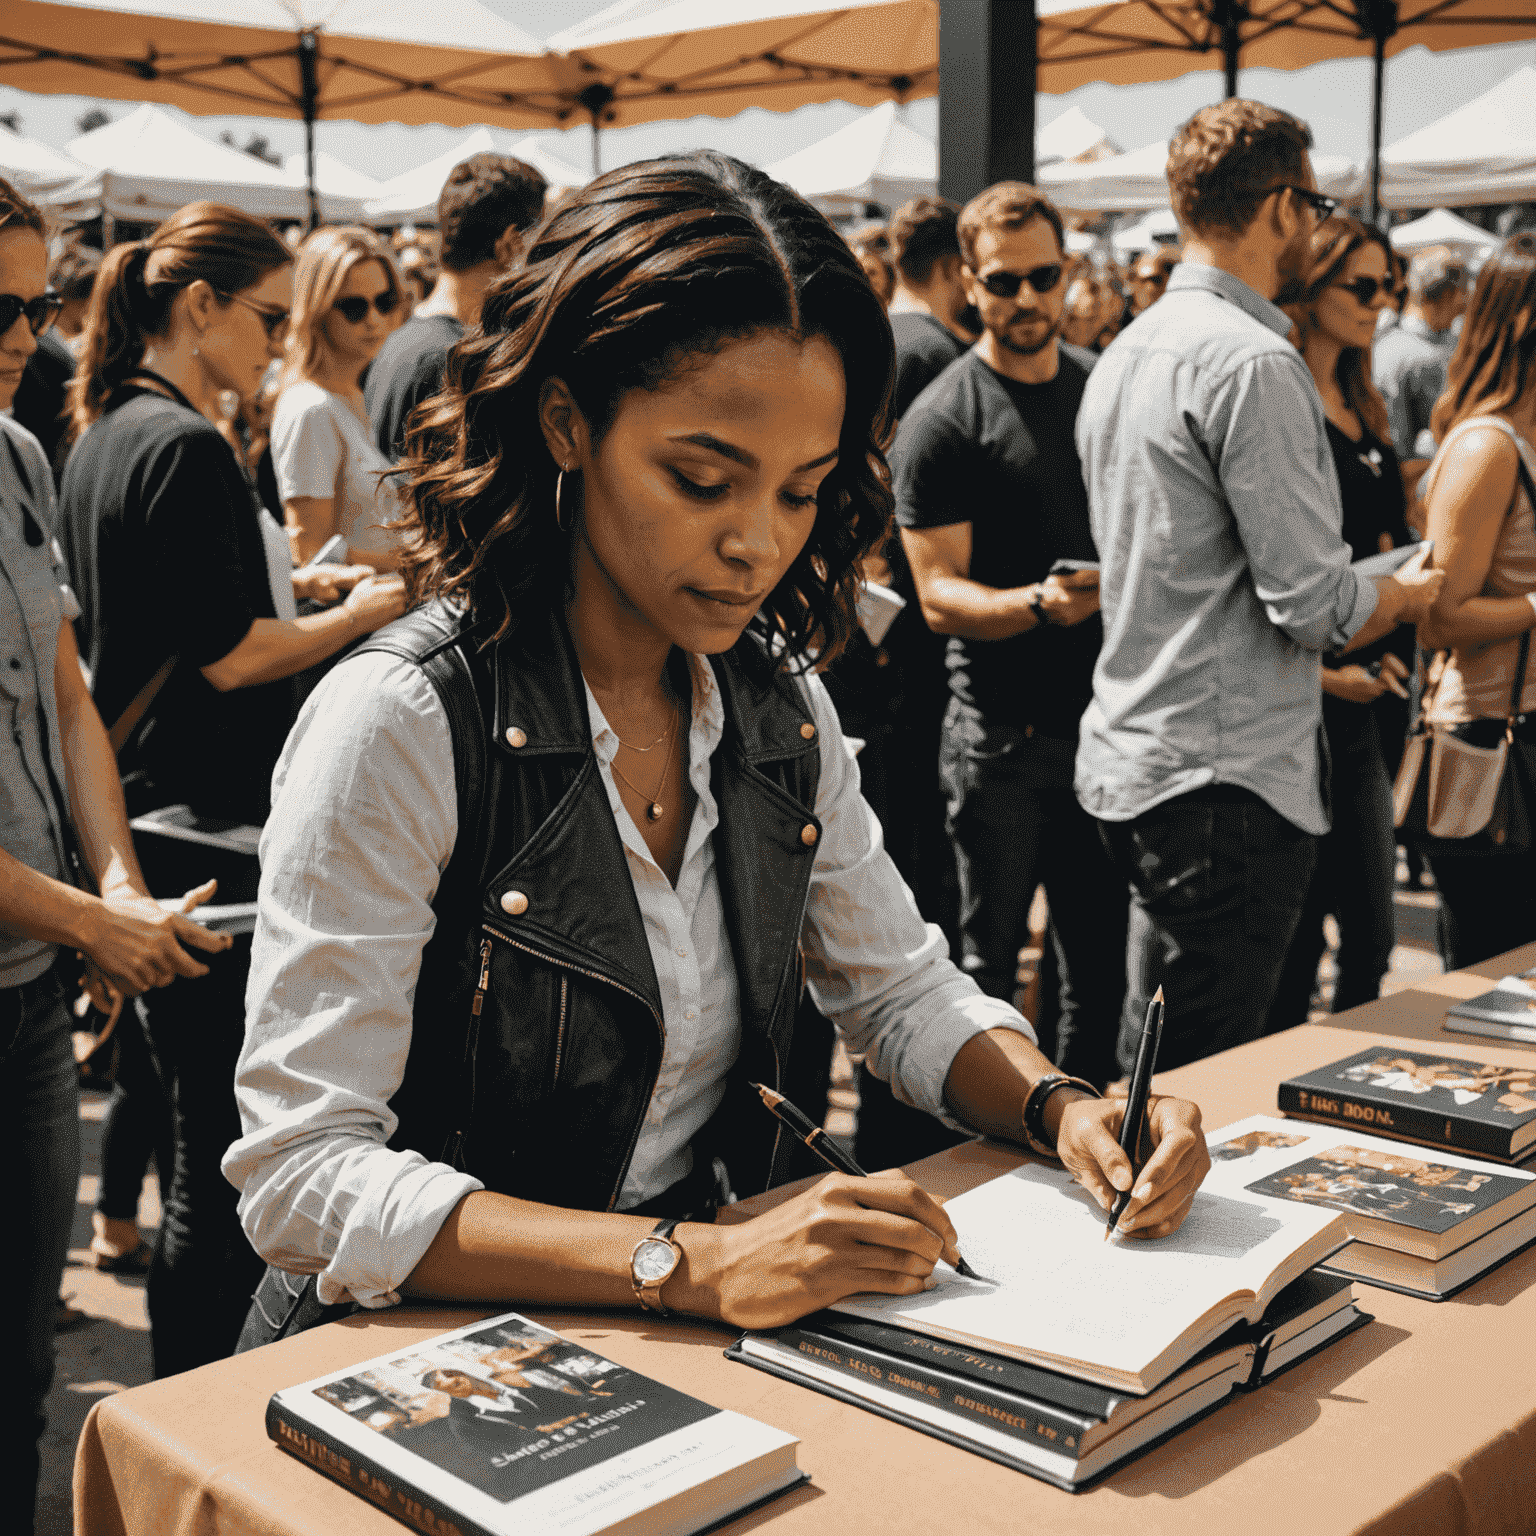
x=484, y=984
x=581, y=970
x=565, y=993
x=453, y=1153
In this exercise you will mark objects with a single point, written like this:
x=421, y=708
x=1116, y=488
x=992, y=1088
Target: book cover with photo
x=1487, y=1109
x=1422, y=1222
x=1505, y=1012
x=504, y=1425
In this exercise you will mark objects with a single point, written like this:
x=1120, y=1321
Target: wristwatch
x=652, y=1263
x=1037, y=604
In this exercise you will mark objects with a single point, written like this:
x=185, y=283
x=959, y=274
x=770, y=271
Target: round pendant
x=655, y=812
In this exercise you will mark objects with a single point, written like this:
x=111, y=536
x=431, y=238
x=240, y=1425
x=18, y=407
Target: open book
x=1125, y=1313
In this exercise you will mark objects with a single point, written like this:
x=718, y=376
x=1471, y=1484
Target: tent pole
x=1231, y=15
x=1380, y=18
x=596, y=99
x=309, y=87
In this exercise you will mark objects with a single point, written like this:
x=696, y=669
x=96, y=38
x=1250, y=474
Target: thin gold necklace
x=654, y=810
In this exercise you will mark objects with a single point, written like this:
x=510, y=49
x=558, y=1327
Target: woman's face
x=1338, y=312
x=24, y=275
x=356, y=341
x=702, y=493
x=243, y=336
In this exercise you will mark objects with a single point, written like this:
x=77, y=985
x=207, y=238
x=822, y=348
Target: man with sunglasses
x=484, y=213
x=990, y=497
x=1216, y=510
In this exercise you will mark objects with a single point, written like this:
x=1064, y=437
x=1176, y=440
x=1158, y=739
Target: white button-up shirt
x=364, y=818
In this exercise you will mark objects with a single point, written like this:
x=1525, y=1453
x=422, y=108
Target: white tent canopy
x=1138, y=180
x=1073, y=136
x=151, y=165
x=876, y=158
x=49, y=177
x=1484, y=152
x=336, y=181
x=1442, y=227
x=411, y=197
x=1147, y=233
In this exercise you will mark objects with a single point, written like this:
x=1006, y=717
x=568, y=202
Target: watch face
x=654, y=1259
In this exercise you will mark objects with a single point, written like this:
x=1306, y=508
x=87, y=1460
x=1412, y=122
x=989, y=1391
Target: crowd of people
x=517, y=599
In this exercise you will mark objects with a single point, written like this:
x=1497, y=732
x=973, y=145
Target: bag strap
x=127, y=722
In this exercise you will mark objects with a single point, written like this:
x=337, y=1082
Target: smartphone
x=1072, y=567
x=332, y=552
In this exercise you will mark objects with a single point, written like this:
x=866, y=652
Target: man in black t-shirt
x=930, y=296
x=486, y=207
x=990, y=496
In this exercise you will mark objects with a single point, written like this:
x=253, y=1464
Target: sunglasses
x=354, y=310
x=1006, y=285
x=1365, y=289
x=1323, y=207
x=272, y=320
x=40, y=312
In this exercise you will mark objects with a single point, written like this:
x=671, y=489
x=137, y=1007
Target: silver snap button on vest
x=515, y=903
x=808, y=835
x=516, y=737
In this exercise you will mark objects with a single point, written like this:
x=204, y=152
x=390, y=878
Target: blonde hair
x=325, y=259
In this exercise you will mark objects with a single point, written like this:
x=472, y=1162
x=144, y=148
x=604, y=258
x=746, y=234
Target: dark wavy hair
x=641, y=271
x=1334, y=241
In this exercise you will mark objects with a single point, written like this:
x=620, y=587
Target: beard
x=1006, y=340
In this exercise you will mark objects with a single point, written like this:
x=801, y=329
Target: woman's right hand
x=840, y=1236
x=375, y=601
x=1360, y=685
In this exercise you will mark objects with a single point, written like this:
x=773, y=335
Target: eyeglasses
x=1365, y=289
x=1006, y=285
x=272, y=320
x=1323, y=207
x=40, y=312
x=354, y=309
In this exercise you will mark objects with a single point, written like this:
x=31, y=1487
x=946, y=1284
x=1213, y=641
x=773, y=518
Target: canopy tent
x=372, y=61
x=1138, y=180
x=49, y=177
x=641, y=60
x=1442, y=227
x=151, y=165
x=411, y=197
x=336, y=181
x=874, y=159
x=1146, y=234
x=1073, y=136
x=1128, y=41
x=1484, y=152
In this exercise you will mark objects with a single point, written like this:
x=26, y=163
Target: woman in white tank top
x=1479, y=493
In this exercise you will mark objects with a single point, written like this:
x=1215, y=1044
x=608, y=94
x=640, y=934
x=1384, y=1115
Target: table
x=1422, y=1422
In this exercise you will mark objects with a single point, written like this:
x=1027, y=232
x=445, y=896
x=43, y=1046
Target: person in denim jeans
x=56, y=766
x=989, y=495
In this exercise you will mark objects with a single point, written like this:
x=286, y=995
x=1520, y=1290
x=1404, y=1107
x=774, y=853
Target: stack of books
x=1427, y=1224
x=1507, y=1012
x=1074, y=1353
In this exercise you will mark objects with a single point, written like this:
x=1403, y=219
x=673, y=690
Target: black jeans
x=204, y=1271
x=136, y=1126
x=1218, y=878
x=1354, y=879
x=1016, y=824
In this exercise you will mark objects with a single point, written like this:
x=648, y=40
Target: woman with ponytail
x=189, y=636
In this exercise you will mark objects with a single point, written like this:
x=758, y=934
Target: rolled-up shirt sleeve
x=363, y=822
x=878, y=971
x=1286, y=503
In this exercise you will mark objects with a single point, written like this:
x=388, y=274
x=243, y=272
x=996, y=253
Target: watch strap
x=649, y=1292
x=1037, y=604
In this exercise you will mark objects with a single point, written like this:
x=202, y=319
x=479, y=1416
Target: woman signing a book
x=551, y=859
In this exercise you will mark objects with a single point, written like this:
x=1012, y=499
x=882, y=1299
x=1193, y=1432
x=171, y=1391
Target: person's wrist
x=693, y=1287
x=1056, y=1106
x=1037, y=604
x=1530, y=597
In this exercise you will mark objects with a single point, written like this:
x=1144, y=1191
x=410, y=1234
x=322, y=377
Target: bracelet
x=1037, y=604
x=1033, y=1116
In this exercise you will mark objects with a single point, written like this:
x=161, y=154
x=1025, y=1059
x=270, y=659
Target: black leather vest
x=537, y=1027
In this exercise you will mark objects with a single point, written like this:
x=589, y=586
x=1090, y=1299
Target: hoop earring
x=559, y=483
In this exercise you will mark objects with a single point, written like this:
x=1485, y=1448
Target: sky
x=1334, y=98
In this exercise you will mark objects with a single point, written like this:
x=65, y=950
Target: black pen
x=1133, y=1125
x=816, y=1138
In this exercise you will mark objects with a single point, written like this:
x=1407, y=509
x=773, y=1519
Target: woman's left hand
x=328, y=583
x=1087, y=1140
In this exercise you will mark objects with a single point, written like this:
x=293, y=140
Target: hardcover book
x=502, y=1426
x=1508, y=1012
x=1437, y=1101
x=1422, y=1223
x=1126, y=1313
x=1054, y=1427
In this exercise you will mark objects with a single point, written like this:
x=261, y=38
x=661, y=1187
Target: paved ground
x=112, y=1351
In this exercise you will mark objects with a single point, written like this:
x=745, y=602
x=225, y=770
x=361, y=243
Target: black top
x=40, y=397
x=925, y=347
x=166, y=551
x=408, y=370
x=981, y=449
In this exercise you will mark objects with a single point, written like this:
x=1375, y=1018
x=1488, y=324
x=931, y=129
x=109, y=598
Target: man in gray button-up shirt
x=1216, y=512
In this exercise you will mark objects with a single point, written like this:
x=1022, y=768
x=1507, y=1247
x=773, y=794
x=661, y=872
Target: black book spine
x=1024, y=1417
x=1383, y=1117
x=366, y=1476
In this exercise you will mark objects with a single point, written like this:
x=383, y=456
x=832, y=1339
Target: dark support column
x=987, y=115
x=1379, y=17
x=309, y=95
x=596, y=99
x=1230, y=14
